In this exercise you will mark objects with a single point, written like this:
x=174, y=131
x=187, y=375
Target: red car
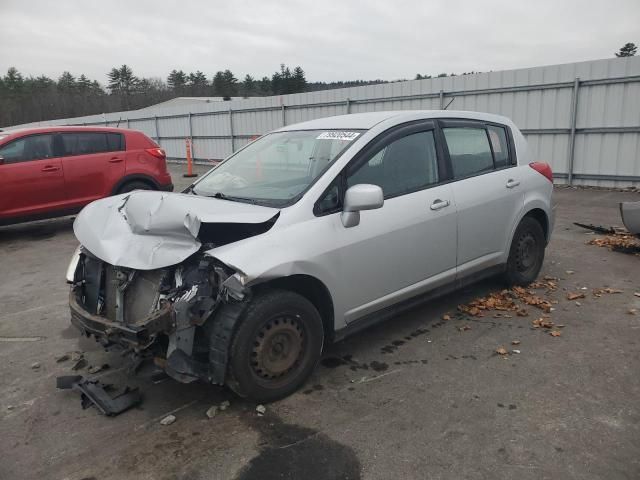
x=54, y=171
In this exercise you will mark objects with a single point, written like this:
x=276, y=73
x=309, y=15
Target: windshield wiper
x=222, y=196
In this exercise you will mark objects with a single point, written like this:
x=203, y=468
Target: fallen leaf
x=501, y=351
x=515, y=342
x=446, y=317
x=574, y=295
x=542, y=322
x=637, y=294
x=555, y=333
x=632, y=311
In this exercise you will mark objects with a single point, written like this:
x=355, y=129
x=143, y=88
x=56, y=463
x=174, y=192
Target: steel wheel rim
x=278, y=347
x=527, y=256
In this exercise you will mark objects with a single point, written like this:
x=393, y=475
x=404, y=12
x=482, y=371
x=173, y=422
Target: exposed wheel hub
x=278, y=347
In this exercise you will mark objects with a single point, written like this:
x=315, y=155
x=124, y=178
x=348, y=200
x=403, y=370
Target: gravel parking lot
x=415, y=397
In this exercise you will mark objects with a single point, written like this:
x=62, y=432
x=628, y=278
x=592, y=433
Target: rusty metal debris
x=94, y=393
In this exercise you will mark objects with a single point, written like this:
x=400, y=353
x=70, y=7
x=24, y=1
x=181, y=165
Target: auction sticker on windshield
x=334, y=135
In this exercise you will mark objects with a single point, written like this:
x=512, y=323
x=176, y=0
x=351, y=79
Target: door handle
x=438, y=204
x=115, y=160
x=512, y=183
x=50, y=168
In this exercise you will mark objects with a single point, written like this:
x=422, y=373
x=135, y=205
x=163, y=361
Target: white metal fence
x=583, y=118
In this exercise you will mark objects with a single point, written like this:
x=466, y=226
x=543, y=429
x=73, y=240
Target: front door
x=31, y=177
x=409, y=245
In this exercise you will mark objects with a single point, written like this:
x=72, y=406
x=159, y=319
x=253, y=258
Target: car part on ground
x=630, y=213
x=95, y=393
x=305, y=236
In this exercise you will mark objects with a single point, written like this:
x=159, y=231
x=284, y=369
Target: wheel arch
x=313, y=290
x=135, y=177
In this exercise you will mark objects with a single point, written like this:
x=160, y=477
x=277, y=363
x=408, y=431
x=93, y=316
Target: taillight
x=543, y=168
x=157, y=152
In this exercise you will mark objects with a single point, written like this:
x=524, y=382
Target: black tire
x=275, y=347
x=526, y=253
x=134, y=185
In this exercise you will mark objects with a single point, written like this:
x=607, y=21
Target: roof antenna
x=449, y=103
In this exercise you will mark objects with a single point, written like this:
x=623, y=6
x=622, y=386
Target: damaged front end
x=161, y=313
x=142, y=279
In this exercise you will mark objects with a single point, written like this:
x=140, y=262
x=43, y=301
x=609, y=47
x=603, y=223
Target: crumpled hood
x=146, y=230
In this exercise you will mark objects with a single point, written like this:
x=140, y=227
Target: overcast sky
x=330, y=39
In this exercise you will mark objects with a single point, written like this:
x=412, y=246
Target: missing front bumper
x=140, y=335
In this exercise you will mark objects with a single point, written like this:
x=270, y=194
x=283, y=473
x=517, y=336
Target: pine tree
x=248, y=86
x=628, y=50
x=177, y=81
x=299, y=81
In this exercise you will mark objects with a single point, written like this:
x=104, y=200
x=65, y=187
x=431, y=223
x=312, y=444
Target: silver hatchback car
x=307, y=235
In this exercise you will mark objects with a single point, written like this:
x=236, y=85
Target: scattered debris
x=464, y=328
x=10, y=407
x=35, y=365
x=637, y=294
x=578, y=304
x=79, y=365
x=63, y=358
x=502, y=351
x=620, y=242
x=95, y=393
x=212, y=411
x=516, y=351
x=446, y=318
x=598, y=292
x=168, y=420
x=569, y=272
x=261, y=410
x=575, y=295
x=224, y=405
x=555, y=333
x=98, y=368
x=632, y=311
x=515, y=342
x=596, y=228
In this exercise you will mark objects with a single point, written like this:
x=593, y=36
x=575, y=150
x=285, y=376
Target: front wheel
x=275, y=347
x=526, y=254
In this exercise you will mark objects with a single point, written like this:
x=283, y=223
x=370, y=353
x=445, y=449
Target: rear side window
x=33, y=147
x=498, y=138
x=469, y=150
x=86, y=143
x=115, y=142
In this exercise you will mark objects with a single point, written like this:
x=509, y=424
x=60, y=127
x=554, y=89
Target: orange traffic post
x=189, y=161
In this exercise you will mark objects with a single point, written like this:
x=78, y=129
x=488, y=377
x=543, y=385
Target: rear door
x=31, y=177
x=486, y=188
x=93, y=163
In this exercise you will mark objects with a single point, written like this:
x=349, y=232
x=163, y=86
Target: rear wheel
x=135, y=185
x=526, y=254
x=275, y=347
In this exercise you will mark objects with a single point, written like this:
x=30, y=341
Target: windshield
x=276, y=168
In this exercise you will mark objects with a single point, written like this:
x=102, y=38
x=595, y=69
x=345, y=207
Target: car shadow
x=36, y=230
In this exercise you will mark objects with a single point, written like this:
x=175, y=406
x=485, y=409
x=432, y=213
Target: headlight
x=73, y=265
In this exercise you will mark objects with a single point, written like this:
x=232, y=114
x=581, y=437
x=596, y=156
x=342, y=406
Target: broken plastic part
x=94, y=393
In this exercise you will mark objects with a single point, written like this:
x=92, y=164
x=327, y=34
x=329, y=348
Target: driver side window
x=406, y=165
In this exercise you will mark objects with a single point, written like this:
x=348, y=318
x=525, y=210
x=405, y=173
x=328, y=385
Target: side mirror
x=360, y=197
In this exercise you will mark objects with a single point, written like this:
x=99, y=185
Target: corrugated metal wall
x=583, y=118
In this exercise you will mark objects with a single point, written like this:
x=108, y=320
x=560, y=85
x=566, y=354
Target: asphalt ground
x=416, y=397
